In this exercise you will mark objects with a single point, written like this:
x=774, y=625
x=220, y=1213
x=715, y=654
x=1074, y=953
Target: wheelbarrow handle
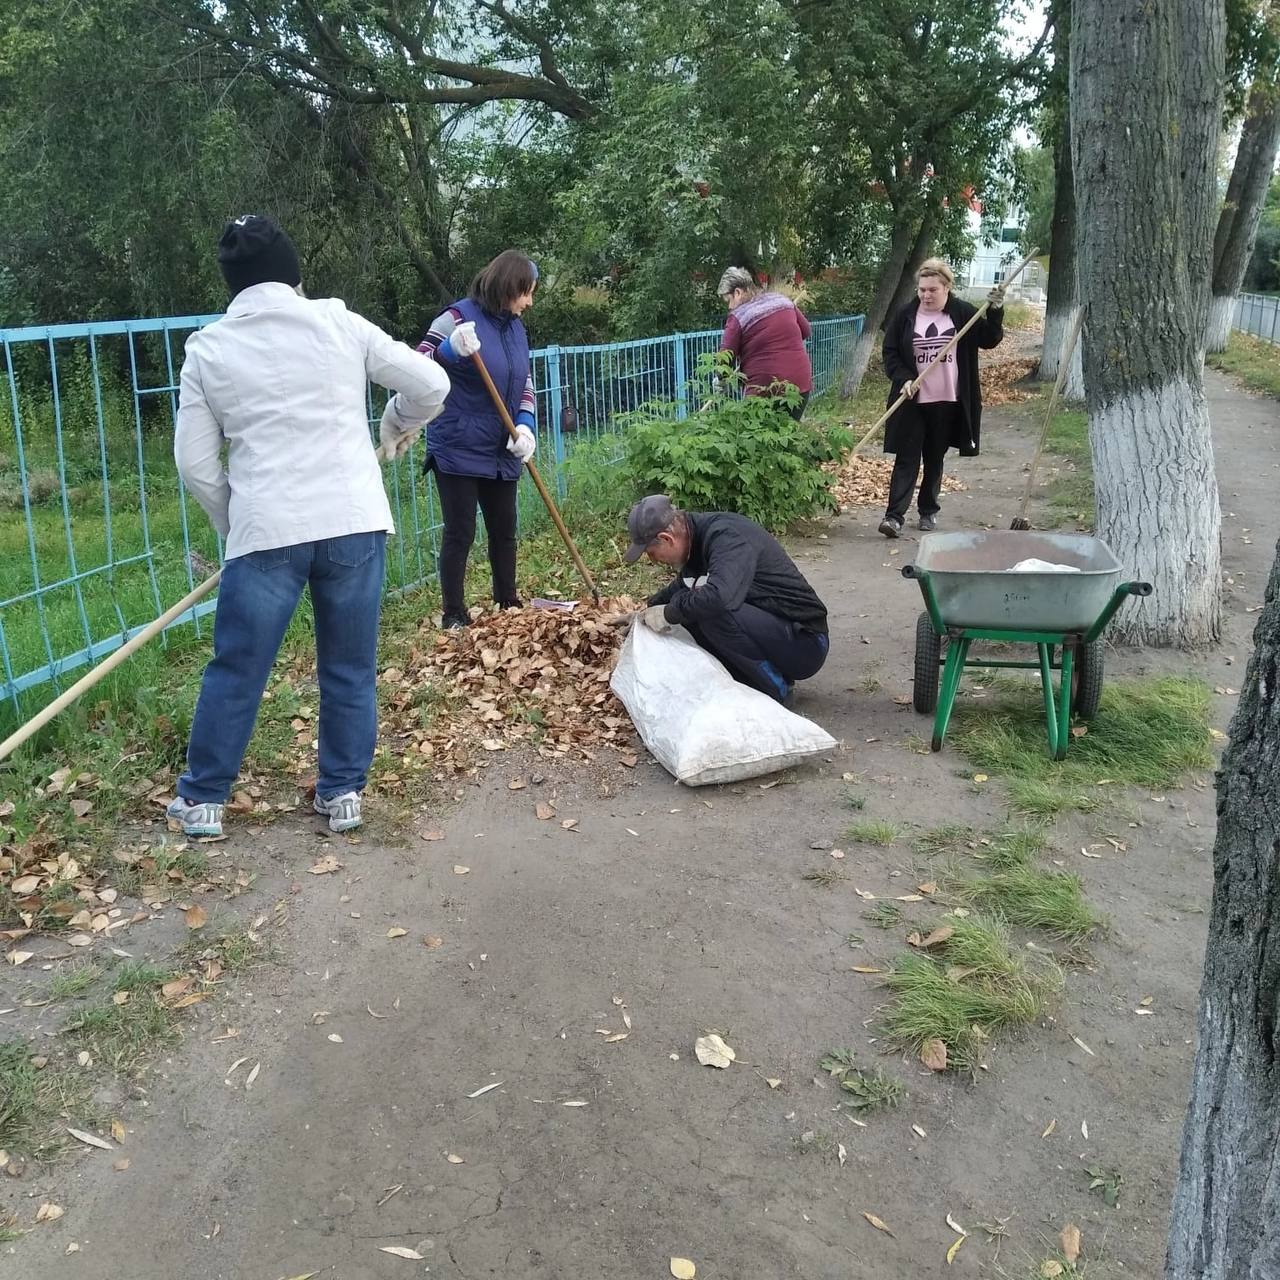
x=1137, y=588
x=1117, y=599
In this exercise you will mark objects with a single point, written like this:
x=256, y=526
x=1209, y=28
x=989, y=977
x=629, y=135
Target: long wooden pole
x=977, y=315
x=1064, y=367
x=505, y=415
x=113, y=660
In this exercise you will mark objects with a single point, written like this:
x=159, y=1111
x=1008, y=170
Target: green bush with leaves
x=742, y=454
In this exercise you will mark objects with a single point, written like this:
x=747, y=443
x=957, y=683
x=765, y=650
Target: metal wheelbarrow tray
x=971, y=593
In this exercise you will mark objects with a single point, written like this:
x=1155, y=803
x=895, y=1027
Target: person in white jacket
x=280, y=382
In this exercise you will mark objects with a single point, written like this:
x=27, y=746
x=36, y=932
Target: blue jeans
x=256, y=599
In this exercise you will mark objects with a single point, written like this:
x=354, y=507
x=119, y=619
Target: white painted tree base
x=1217, y=328
x=1057, y=324
x=1157, y=497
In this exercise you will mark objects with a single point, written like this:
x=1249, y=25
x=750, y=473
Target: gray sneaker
x=197, y=819
x=342, y=811
x=928, y=524
x=890, y=527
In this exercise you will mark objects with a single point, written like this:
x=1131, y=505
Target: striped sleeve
x=441, y=329
x=528, y=398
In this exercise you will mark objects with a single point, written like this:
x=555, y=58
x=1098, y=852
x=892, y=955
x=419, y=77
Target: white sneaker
x=197, y=819
x=342, y=811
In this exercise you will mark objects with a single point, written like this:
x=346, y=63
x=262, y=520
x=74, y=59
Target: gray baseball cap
x=648, y=518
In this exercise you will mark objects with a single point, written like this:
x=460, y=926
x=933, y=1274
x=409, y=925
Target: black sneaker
x=928, y=524
x=890, y=527
x=514, y=603
x=454, y=621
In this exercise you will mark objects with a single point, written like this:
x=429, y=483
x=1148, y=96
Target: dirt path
x=690, y=909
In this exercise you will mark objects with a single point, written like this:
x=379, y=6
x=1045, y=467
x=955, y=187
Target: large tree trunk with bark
x=1063, y=296
x=900, y=242
x=1141, y=232
x=1226, y=1203
x=920, y=250
x=1238, y=221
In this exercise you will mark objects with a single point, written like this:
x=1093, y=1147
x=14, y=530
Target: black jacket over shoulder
x=900, y=365
x=742, y=564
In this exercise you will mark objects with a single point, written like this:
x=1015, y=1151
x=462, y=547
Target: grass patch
x=120, y=1034
x=826, y=877
x=1254, y=361
x=865, y=1089
x=884, y=915
x=34, y=1100
x=855, y=802
x=951, y=837
x=1012, y=849
x=975, y=988
x=873, y=831
x=70, y=983
x=1148, y=733
x=1032, y=899
x=1071, y=498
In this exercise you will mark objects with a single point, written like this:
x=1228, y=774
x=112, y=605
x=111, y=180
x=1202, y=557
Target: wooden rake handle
x=552, y=510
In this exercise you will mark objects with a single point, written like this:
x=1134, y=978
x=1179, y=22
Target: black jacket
x=743, y=564
x=900, y=365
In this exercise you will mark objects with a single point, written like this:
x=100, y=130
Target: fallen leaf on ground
x=878, y=1223
x=396, y=931
x=841, y=1153
x=24, y=885
x=543, y=811
x=682, y=1269
x=178, y=987
x=89, y=1139
x=517, y=784
x=569, y=823
x=955, y=1226
x=196, y=917
x=18, y=957
x=252, y=1076
x=918, y=1131
x=576, y=1102
x=867, y=968
x=929, y=886
x=117, y=1131
x=980, y=777
x=433, y=835
x=1050, y=1127
x=335, y=1038
x=49, y=1212
x=1050, y=1269
x=399, y=1251
x=932, y=939
x=120, y=1165
x=955, y=1248
x=713, y=1052
x=1070, y=1241
x=497, y=1084
x=933, y=1053
x=1084, y=1130
x=326, y=866
x=431, y=942
x=459, y=870
x=1084, y=1046
x=772, y=1082
x=454, y=1159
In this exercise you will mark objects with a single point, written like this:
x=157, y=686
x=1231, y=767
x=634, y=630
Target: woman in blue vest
x=475, y=460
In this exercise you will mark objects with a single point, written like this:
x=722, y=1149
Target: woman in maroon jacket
x=765, y=333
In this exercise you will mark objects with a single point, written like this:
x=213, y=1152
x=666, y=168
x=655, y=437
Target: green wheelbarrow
x=979, y=586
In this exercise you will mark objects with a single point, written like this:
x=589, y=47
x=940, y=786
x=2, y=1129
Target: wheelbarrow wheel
x=924, y=694
x=1086, y=680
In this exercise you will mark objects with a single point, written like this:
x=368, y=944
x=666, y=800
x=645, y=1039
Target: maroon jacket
x=766, y=337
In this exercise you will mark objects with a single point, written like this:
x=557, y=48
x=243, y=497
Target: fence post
x=555, y=395
x=682, y=377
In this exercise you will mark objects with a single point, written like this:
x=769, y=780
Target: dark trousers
x=928, y=443
x=459, y=497
x=760, y=649
x=797, y=411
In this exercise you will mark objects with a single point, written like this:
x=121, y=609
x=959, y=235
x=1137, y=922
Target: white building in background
x=996, y=253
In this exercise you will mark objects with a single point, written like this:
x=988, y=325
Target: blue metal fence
x=1258, y=314
x=97, y=533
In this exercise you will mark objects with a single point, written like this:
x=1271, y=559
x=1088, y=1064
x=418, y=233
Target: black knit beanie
x=256, y=250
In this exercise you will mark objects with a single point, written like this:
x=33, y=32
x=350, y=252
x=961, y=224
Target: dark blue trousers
x=762, y=650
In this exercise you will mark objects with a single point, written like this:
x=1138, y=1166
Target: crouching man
x=737, y=592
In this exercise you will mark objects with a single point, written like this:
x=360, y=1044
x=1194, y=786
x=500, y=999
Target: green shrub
x=735, y=454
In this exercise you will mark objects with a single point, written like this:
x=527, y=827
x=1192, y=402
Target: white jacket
x=281, y=380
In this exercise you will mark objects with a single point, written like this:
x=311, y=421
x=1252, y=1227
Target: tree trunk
x=920, y=250
x=1225, y=1223
x=1062, y=297
x=900, y=242
x=1199, y=78
x=1156, y=491
x=1238, y=221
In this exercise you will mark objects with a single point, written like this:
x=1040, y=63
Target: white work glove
x=523, y=444
x=463, y=341
x=394, y=437
x=655, y=618
x=996, y=297
x=909, y=388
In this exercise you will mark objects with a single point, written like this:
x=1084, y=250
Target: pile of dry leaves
x=864, y=482
x=535, y=676
x=998, y=378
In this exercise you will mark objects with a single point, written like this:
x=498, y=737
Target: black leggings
x=928, y=442
x=459, y=496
